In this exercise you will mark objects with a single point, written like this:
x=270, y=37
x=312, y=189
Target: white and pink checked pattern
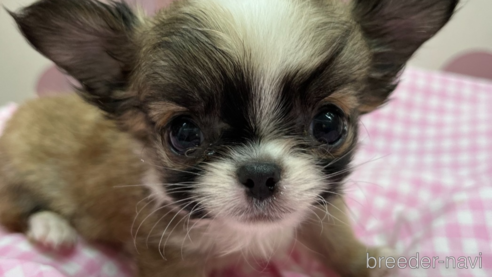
x=428, y=189
x=423, y=184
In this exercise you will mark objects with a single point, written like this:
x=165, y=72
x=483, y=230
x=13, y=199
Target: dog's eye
x=329, y=126
x=184, y=135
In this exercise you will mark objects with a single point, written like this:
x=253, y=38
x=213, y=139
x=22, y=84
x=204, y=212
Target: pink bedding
x=422, y=184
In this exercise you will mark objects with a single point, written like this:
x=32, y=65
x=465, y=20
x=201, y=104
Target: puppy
x=216, y=132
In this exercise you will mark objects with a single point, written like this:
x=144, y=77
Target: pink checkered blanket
x=422, y=185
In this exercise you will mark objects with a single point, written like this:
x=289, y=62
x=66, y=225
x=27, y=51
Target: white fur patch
x=276, y=34
x=228, y=203
x=256, y=240
x=274, y=37
x=51, y=230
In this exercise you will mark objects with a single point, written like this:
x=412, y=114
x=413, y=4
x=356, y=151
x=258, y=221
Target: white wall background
x=20, y=65
x=470, y=29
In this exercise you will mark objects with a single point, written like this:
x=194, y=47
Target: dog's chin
x=260, y=224
x=262, y=219
x=268, y=218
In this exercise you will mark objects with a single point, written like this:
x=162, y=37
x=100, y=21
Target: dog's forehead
x=244, y=60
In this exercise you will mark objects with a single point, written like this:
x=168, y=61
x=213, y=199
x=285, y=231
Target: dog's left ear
x=395, y=29
x=90, y=40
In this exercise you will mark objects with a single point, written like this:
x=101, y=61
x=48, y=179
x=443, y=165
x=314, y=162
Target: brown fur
x=332, y=240
x=76, y=172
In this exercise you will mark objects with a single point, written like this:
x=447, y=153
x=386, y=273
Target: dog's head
x=250, y=107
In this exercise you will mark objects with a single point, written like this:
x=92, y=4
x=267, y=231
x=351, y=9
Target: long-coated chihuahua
x=214, y=132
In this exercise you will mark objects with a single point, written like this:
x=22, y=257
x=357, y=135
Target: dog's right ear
x=90, y=40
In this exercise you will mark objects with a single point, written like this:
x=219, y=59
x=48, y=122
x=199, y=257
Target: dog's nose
x=259, y=178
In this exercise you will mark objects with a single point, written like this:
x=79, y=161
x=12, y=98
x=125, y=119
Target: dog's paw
x=51, y=230
x=381, y=270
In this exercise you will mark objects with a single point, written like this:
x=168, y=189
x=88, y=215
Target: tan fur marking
x=345, y=100
x=162, y=112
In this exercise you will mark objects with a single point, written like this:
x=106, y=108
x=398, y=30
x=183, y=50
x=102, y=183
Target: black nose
x=259, y=178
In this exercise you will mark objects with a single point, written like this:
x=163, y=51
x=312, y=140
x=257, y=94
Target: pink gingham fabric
x=425, y=185
x=422, y=185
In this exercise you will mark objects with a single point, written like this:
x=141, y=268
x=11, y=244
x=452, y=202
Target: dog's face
x=252, y=122
x=250, y=107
